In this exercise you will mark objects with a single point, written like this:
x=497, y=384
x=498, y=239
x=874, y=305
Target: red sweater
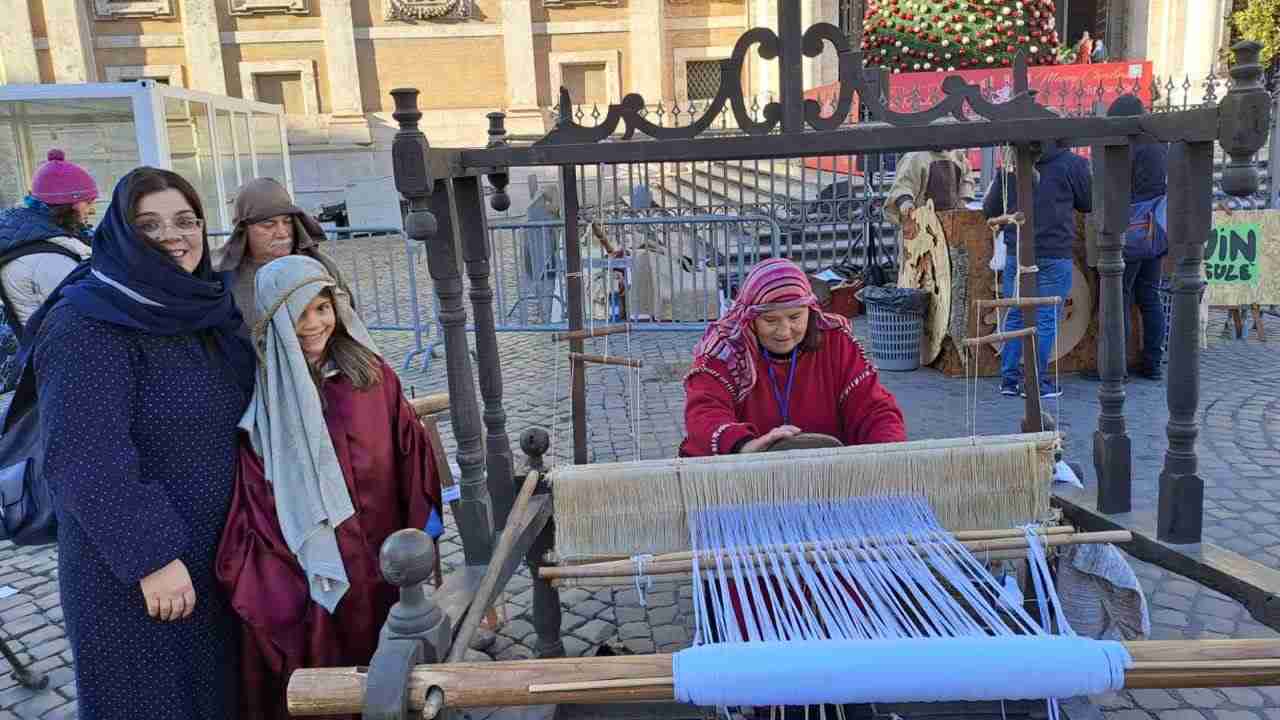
x=836, y=392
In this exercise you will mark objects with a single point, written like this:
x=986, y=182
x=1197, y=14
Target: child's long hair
x=360, y=364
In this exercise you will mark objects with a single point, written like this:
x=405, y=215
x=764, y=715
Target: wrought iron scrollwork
x=961, y=100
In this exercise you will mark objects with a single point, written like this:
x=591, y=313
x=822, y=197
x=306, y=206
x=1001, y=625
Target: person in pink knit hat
x=42, y=240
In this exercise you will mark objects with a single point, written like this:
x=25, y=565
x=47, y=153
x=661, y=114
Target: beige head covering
x=285, y=423
x=256, y=201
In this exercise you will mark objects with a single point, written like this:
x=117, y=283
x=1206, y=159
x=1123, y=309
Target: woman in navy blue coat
x=142, y=378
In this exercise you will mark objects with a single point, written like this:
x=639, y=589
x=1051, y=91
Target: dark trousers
x=1142, y=286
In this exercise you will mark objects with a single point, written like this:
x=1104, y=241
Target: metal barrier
x=693, y=259
x=380, y=266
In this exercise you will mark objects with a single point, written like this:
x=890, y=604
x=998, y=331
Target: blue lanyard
x=784, y=401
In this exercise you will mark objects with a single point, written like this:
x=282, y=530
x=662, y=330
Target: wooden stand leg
x=546, y=597
x=1257, y=322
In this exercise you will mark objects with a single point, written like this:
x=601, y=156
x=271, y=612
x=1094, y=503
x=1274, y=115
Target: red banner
x=1068, y=89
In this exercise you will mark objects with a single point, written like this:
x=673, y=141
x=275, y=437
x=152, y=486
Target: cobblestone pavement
x=639, y=415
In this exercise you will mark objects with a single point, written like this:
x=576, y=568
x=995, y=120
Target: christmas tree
x=925, y=35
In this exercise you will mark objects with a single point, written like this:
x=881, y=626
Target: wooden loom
x=446, y=212
x=431, y=688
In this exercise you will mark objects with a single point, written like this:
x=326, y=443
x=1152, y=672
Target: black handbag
x=27, y=515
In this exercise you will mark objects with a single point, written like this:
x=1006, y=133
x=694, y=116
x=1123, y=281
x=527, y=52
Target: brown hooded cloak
x=259, y=199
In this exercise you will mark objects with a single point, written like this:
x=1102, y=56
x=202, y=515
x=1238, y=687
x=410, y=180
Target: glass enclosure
x=217, y=143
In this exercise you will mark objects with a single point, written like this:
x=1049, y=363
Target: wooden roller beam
x=640, y=678
x=602, y=360
x=623, y=568
x=999, y=337
x=430, y=404
x=1020, y=302
x=589, y=333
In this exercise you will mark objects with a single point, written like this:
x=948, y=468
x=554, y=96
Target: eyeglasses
x=154, y=229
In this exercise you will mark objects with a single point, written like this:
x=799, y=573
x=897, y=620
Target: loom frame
x=446, y=213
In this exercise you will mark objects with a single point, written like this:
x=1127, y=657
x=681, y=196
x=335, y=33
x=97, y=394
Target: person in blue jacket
x=1149, y=180
x=1061, y=188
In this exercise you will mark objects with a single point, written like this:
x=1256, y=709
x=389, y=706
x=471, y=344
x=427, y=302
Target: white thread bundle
x=912, y=617
x=624, y=509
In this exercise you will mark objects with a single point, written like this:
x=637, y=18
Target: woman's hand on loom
x=763, y=442
x=169, y=593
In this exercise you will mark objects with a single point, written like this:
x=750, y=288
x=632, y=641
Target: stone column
x=201, y=38
x=649, y=52
x=524, y=117
x=71, y=46
x=18, y=48
x=347, y=121
x=764, y=73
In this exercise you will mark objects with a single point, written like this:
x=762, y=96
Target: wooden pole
x=573, y=286
x=1112, y=451
x=600, y=331
x=999, y=337
x=1027, y=283
x=430, y=404
x=640, y=678
x=1020, y=302
x=624, y=568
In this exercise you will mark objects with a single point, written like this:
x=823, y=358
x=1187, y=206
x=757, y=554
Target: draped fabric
x=771, y=285
x=130, y=284
x=386, y=464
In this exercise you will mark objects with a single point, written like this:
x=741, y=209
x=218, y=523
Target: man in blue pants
x=1061, y=187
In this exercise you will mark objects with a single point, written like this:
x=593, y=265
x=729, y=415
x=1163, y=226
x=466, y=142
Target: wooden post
x=1028, y=284
x=573, y=288
x=416, y=631
x=430, y=221
x=475, y=253
x=1179, y=518
x=546, y=598
x=1112, y=452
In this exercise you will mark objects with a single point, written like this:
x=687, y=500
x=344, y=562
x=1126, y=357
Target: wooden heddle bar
x=605, y=360
x=999, y=337
x=641, y=678
x=811, y=554
x=589, y=333
x=1019, y=302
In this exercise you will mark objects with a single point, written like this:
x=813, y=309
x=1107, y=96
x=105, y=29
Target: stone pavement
x=639, y=415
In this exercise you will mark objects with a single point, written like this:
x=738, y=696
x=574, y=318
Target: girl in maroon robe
x=332, y=460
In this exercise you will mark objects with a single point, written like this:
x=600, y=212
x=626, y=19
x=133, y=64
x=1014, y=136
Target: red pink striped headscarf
x=776, y=284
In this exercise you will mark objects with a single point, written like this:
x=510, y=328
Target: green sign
x=1231, y=254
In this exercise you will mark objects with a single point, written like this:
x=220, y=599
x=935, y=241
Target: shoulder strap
x=39, y=247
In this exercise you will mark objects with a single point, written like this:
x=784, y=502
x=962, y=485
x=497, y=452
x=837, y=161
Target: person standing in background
x=42, y=240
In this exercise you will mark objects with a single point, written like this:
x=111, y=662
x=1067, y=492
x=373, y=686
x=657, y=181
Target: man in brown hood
x=268, y=225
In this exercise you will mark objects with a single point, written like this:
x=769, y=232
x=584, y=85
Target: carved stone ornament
x=417, y=10
x=269, y=7
x=121, y=9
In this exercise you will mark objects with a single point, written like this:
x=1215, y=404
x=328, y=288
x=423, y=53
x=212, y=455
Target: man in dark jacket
x=1061, y=188
x=1142, y=277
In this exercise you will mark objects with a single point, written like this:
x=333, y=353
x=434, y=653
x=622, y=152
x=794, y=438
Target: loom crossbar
x=625, y=509
x=334, y=691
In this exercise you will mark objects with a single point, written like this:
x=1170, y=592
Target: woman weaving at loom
x=776, y=366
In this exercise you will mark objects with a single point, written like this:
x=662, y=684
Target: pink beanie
x=59, y=182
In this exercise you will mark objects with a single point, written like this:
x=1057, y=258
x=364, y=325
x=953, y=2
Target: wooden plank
x=430, y=404
x=1252, y=584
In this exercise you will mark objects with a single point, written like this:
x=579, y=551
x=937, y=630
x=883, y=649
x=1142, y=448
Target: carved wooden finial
x=1244, y=119
x=409, y=162
x=500, y=200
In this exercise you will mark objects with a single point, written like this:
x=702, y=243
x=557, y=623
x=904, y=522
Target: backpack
x=11, y=329
x=27, y=514
x=1147, y=235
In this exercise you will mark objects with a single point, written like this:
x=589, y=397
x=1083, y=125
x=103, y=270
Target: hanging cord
x=643, y=582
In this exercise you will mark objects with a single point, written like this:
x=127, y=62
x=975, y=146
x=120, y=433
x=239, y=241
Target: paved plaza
x=638, y=414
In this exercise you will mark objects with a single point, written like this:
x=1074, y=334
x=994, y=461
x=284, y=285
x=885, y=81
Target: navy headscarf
x=130, y=283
